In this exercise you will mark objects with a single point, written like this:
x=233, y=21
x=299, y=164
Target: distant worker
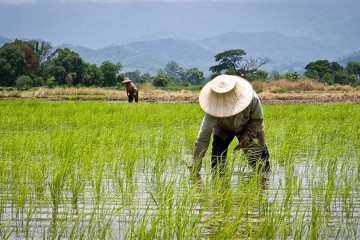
x=232, y=109
x=131, y=90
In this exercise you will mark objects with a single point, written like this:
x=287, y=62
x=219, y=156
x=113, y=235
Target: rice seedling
x=111, y=170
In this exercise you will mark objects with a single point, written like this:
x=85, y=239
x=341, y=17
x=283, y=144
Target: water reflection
x=311, y=201
x=306, y=198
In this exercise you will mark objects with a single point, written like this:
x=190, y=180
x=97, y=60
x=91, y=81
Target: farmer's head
x=225, y=96
x=126, y=80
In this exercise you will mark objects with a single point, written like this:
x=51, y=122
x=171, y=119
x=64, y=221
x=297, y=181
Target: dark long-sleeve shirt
x=249, y=122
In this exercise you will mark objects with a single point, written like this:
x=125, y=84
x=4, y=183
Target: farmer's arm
x=127, y=88
x=132, y=89
x=254, y=127
x=203, y=139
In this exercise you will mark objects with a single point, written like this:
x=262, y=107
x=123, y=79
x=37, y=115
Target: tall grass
x=100, y=170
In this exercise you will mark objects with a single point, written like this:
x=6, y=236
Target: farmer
x=232, y=109
x=131, y=90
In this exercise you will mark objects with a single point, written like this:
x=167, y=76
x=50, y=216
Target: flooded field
x=81, y=170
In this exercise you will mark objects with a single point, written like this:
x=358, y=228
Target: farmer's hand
x=194, y=172
x=244, y=142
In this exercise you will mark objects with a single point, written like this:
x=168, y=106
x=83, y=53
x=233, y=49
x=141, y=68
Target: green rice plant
x=106, y=170
x=5, y=233
x=56, y=186
x=77, y=188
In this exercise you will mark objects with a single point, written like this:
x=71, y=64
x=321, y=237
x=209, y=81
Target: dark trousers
x=257, y=156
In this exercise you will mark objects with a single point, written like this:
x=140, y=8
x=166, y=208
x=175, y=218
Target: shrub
x=161, y=80
x=39, y=81
x=24, y=82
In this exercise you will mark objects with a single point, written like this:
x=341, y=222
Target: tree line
x=235, y=62
x=27, y=64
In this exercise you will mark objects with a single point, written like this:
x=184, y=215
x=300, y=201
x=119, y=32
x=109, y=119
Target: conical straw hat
x=225, y=96
x=126, y=80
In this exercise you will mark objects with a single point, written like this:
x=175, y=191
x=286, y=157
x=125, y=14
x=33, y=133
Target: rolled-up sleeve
x=203, y=139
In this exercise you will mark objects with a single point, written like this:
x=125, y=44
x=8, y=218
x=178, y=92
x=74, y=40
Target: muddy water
x=299, y=193
x=315, y=194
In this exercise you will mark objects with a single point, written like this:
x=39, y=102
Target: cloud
x=129, y=1
x=234, y=1
x=17, y=1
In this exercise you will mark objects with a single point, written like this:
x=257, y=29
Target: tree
x=293, y=76
x=146, y=77
x=229, y=59
x=69, y=79
x=71, y=62
x=12, y=64
x=42, y=50
x=31, y=61
x=110, y=72
x=174, y=71
x=233, y=62
x=52, y=73
x=93, y=75
x=318, y=68
x=329, y=72
x=161, y=80
x=24, y=82
x=259, y=75
x=275, y=75
x=135, y=76
x=353, y=69
x=38, y=81
x=193, y=76
x=251, y=66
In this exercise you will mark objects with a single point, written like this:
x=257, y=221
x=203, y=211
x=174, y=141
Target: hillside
x=286, y=53
x=4, y=40
x=146, y=35
x=351, y=57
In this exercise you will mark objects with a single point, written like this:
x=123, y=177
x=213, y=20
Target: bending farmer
x=131, y=90
x=232, y=109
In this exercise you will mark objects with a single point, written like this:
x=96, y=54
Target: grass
x=269, y=91
x=105, y=170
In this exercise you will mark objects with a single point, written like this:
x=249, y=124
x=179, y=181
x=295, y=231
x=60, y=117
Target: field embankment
x=280, y=91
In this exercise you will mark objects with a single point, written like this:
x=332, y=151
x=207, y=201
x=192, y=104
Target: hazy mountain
x=146, y=35
x=280, y=49
x=355, y=57
x=95, y=24
x=285, y=53
x=4, y=40
x=149, y=56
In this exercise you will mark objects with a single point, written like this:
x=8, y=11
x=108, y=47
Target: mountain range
x=146, y=35
x=285, y=53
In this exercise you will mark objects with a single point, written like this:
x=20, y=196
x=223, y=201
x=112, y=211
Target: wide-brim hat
x=126, y=80
x=226, y=95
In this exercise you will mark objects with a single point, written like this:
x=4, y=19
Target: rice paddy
x=111, y=170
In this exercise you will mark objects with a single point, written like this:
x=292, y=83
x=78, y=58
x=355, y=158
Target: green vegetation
x=333, y=73
x=233, y=62
x=28, y=64
x=101, y=170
